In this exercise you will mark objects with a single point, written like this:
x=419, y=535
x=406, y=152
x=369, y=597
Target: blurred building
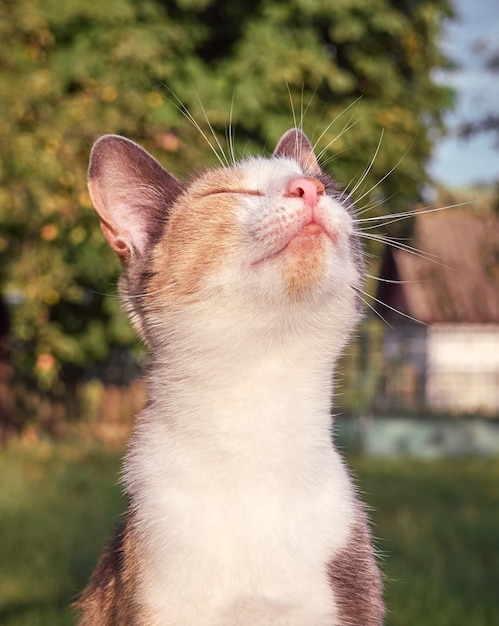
x=448, y=360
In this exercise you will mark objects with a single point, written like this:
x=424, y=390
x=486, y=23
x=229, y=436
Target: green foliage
x=71, y=70
x=436, y=525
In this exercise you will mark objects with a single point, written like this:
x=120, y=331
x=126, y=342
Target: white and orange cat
x=244, y=284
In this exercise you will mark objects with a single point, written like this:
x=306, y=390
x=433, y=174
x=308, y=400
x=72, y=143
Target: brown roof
x=454, y=279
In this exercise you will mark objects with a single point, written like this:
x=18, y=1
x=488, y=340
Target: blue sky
x=456, y=162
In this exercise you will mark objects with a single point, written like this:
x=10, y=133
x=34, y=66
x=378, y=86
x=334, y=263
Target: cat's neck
x=221, y=384
x=270, y=393
x=258, y=423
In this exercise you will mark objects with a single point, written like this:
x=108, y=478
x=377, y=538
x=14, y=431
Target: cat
x=244, y=284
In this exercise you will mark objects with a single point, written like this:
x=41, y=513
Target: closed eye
x=245, y=192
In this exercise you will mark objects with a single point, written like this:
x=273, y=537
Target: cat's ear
x=295, y=145
x=131, y=192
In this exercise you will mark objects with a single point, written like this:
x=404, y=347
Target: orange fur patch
x=306, y=260
x=201, y=231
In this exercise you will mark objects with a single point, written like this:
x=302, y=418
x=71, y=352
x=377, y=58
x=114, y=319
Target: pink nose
x=304, y=187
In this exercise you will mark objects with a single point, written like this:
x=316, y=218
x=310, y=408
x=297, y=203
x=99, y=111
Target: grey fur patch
x=356, y=581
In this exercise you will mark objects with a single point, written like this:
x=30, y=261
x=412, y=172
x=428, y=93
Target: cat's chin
x=309, y=237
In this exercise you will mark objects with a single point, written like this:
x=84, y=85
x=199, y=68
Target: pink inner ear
x=120, y=224
x=130, y=192
x=294, y=144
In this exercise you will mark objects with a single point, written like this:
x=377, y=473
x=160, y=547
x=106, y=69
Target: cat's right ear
x=131, y=192
x=296, y=145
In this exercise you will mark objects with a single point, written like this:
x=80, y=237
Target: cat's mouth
x=307, y=238
x=310, y=230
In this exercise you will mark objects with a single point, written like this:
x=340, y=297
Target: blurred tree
x=70, y=70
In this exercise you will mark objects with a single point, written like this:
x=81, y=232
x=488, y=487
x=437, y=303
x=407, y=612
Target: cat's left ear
x=295, y=145
x=132, y=194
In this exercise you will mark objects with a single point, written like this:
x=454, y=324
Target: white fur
x=240, y=499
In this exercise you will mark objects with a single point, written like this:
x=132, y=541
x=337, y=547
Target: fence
x=416, y=370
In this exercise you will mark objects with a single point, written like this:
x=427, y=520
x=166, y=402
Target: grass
x=58, y=503
x=437, y=523
x=439, y=528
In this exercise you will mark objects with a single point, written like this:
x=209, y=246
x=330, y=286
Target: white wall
x=463, y=368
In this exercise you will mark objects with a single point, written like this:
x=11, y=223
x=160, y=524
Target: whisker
x=318, y=121
x=337, y=154
x=213, y=133
x=293, y=112
x=301, y=106
x=304, y=113
x=373, y=309
x=135, y=296
x=400, y=246
x=328, y=127
x=344, y=130
x=116, y=296
x=376, y=203
x=388, y=173
x=367, y=169
x=413, y=319
x=181, y=107
x=396, y=217
x=394, y=282
x=231, y=132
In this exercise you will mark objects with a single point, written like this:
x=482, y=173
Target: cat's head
x=264, y=237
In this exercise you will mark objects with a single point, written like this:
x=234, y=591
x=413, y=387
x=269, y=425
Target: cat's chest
x=248, y=534
x=243, y=499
